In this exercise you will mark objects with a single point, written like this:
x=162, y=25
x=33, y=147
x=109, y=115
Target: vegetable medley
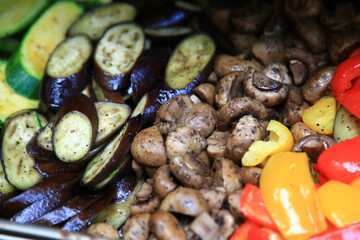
x=178, y=120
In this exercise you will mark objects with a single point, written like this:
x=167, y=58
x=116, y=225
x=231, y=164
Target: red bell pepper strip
x=261, y=233
x=253, y=207
x=322, y=179
x=349, y=232
x=341, y=161
x=242, y=233
x=345, y=84
x=355, y=53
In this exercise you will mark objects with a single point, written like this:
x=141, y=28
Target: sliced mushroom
x=212, y=78
x=299, y=71
x=317, y=86
x=278, y=72
x=148, y=206
x=269, y=51
x=163, y=181
x=296, y=9
x=137, y=227
x=225, y=64
x=303, y=56
x=148, y=147
x=187, y=201
x=216, y=144
x=340, y=17
x=184, y=140
x=227, y=224
x=313, y=145
x=233, y=200
x=206, y=92
x=191, y=172
x=250, y=175
x=227, y=174
x=202, y=118
x=313, y=34
x=293, y=108
x=165, y=226
x=243, y=42
x=103, y=230
x=138, y=168
x=172, y=113
x=247, y=130
x=145, y=192
x=221, y=18
x=342, y=44
x=300, y=130
x=239, y=107
x=215, y=198
x=150, y=171
x=268, y=91
x=204, y=226
x=275, y=26
x=204, y=158
x=229, y=87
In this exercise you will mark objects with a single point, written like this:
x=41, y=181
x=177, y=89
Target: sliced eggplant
x=40, y=146
x=170, y=34
x=75, y=128
x=148, y=71
x=118, y=212
x=95, y=22
x=164, y=16
x=67, y=71
x=103, y=164
x=18, y=164
x=83, y=218
x=67, y=211
x=188, y=6
x=121, y=171
x=43, y=206
x=116, y=54
x=147, y=108
x=106, y=95
x=6, y=189
x=190, y=64
x=122, y=188
x=112, y=116
x=45, y=188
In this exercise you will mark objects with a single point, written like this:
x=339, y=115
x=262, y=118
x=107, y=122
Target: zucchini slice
x=18, y=164
x=27, y=66
x=116, y=54
x=75, y=128
x=112, y=116
x=15, y=15
x=67, y=71
x=95, y=22
x=11, y=102
x=102, y=165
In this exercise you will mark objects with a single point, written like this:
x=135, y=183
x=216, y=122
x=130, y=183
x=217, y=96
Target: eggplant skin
x=121, y=188
x=148, y=71
x=83, y=107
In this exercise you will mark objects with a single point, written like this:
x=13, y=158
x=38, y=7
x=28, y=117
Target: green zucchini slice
x=11, y=102
x=95, y=22
x=18, y=165
x=15, y=15
x=27, y=66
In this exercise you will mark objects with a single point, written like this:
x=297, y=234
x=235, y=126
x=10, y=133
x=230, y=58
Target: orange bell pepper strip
x=242, y=233
x=346, y=233
x=290, y=196
x=253, y=208
x=340, y=203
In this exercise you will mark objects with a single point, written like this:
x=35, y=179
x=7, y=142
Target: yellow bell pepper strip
x=253, y=208
x=321, y=115
x=290, y=197
x=261, y=233
x=280, y=140
x=340, y=203
x=346, y=233
x=341, y=161
x=356, y=183
x=242, y=233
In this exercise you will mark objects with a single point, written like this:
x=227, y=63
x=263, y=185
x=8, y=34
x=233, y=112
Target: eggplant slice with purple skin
x=18, y=164
x=148, y=71
x=116, y=54
x=103, y=164
x=147, y=108
x=75, y=128
x=67, y=71
x=40, y=146
x=171, y=34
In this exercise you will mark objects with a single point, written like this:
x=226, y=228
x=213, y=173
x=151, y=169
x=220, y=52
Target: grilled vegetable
x=45, y=188
x=18, y=165
x=68, y=210
x=10, y=101
x=116, y=53
x=40, y=146
x=346, y=125
x=106, y=95
x=67, y=71
x=75, y=128
x=112, y=116
x=96, y=21
x=16, y=15
x=111, y=156
x=27, y=66
x=168, y=34
x=147, y=108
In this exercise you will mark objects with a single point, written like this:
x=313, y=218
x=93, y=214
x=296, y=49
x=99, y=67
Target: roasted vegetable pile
x=181, y=120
